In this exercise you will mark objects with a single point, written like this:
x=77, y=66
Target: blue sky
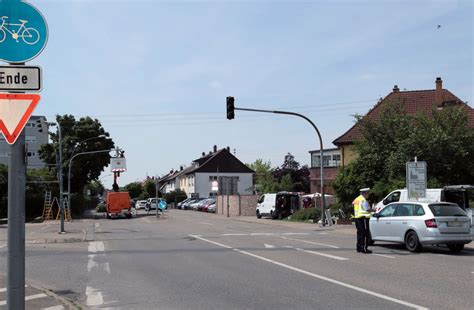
x=156, y=73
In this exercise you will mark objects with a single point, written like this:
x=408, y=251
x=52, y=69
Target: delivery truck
x=118, y=205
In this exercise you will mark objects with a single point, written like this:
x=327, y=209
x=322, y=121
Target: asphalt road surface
x=193, y=260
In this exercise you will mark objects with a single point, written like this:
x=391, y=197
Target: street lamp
x=88, y=139
x=60, y=172
x=69, y=171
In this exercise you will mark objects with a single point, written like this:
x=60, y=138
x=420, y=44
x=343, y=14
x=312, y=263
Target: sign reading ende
x=20, y=78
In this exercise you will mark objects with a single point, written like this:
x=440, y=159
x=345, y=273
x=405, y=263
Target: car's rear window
x=446, y=210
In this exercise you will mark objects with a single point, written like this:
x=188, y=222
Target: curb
x=66, y=302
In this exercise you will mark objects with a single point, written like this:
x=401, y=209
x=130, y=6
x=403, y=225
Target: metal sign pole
x=16, y=225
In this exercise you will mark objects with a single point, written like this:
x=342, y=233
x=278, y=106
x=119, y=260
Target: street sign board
x=23, y=31
x=118, y=164
x=15, y=111
x=416, y=179
x=215, y=186
x=20, y=78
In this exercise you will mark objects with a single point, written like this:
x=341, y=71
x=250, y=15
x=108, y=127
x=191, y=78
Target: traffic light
x=230, y=107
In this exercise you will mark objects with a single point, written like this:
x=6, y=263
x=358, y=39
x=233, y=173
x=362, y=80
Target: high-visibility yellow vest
x=359, y=212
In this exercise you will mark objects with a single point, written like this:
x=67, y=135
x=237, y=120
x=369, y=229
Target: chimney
x=439, y=93
x=181, y=168
x=228, y=149
x=396, y=89
x=215, y=148
x=203, y=154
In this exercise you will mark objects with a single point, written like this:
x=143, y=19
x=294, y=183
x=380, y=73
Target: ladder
x=48, y=206
x=67, y=212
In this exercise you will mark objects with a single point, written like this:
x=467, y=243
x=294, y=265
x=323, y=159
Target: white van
x=266, y=205
x=458, y=194
x=432, y=195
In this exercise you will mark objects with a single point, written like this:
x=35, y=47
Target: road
x=192, y=260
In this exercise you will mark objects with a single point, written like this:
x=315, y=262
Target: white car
x=421, y=223
x=140, y=204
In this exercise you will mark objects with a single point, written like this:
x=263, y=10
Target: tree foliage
x=442, y=138
x=290, y=176
x=135, y=189
x=79, y=136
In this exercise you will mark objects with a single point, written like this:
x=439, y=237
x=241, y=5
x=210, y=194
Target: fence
x=236, y=205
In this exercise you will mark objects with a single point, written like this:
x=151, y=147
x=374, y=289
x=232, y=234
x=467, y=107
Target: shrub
x=304, y=215
x=101, y=208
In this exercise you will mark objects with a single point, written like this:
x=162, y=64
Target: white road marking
x=96, y=246
x=269, y=246
x=322, y=254
x=387, y=256
x=289, y=234
x=235, y=234
x=310, y=242
x=262, y=234
x=99, y=248
x=4, y=289
x=54, y=308
x=204, y=223
x=210, y=241
x=97, y=224
x=94, y=297
x=31, y=297
x=350, y=286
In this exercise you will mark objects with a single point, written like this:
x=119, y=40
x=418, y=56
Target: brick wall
x=239, y=205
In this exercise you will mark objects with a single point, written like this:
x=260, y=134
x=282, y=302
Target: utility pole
x=16, y=224
x=231, y=115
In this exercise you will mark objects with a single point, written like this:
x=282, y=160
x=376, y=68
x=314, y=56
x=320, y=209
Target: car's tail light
x=431, y=223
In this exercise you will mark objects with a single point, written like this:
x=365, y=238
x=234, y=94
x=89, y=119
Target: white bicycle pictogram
x=29, y=35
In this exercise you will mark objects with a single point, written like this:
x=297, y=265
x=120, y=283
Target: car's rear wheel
x=456, y=248
x=412, y=242
x=259, y=216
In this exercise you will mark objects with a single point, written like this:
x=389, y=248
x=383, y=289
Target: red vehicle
x=118, y=204
x=205, y=205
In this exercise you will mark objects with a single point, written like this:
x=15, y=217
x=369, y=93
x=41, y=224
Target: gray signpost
x=16, y=48
x=416, y=179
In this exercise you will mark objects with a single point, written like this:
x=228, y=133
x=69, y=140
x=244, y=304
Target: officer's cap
x=366, y=189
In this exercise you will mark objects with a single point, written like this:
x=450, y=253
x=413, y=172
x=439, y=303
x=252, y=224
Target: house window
x=30, y=139
x=31, y=154
x=212, y=178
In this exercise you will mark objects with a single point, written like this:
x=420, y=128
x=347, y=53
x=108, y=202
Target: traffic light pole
x=323, y=199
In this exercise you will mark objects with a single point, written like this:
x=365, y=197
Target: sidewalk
x=35, y=298
x=48, y=232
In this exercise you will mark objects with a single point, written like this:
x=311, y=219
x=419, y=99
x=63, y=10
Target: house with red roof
x=414, y=101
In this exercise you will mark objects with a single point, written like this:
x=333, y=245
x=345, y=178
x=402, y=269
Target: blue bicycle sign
x=23, y=31
x=28, y=35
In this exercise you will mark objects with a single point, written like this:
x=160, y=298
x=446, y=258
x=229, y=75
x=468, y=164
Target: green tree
x=135, y=189
x=79, y=136
x=149, y=190
x=286, y=184
x=442, y=138
x=263, y=178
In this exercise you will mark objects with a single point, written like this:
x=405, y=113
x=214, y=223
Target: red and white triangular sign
x=15, y=111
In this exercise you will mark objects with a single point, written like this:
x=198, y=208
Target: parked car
x=186, y=205
x=151, y=204
x=206, y=203
x=211, y=208
x=180, y=204
x=415, y=224
x=195, y=204
x=140, y=204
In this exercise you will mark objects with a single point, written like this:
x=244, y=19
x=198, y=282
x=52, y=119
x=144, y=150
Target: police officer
x=362, y=216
